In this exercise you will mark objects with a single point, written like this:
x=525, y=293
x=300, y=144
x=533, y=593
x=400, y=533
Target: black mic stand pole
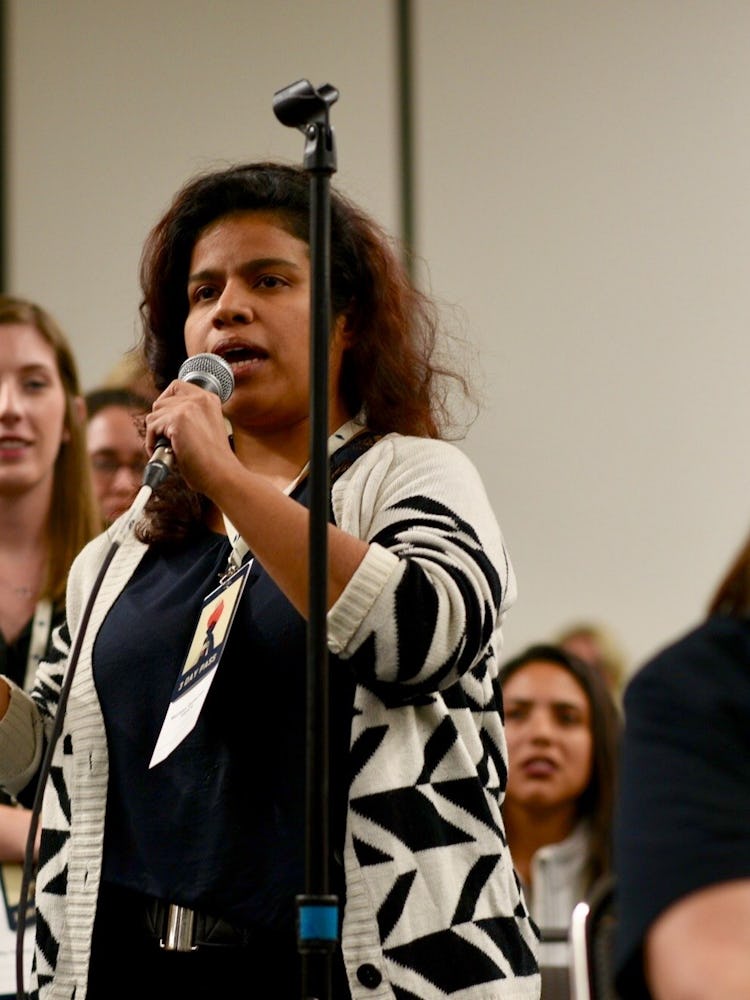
x=301, y=106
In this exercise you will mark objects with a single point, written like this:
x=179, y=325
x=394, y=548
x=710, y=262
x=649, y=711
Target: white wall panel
x=113, y=105
x=583, y=197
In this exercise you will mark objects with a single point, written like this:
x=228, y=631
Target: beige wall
x=114, y=104
x=582, y=173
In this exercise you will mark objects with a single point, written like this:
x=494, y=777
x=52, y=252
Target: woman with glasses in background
x=115, y=446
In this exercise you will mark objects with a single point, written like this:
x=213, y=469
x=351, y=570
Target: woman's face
x=117, y=459
x=249, y=301
x=32, y=409
x=548, y=730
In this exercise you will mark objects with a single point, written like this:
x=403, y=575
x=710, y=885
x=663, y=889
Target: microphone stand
x=301, y=106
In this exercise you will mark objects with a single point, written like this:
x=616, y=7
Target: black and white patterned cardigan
x=433, y=906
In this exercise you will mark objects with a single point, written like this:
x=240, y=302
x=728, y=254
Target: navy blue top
x=14, y=655
x=683, y=819
x=219, y=824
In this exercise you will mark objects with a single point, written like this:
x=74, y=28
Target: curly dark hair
x=389, y=370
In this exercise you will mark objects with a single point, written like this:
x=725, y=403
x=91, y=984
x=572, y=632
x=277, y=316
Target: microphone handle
x=159, y=465
x=210, y=372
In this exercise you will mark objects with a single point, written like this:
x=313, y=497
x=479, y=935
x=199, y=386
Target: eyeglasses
x=107, y=466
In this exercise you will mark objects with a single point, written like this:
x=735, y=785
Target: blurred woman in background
x=47, y=514
x=562, y=728
x=596, y=643
x=116, y=447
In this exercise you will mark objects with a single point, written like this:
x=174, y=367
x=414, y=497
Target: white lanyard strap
x=41, y=627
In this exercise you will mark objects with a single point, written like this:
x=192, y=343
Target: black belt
x=178, y=928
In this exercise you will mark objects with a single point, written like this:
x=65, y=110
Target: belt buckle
x=180, y=929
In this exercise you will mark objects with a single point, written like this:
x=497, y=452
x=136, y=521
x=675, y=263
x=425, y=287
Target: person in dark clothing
x=682, y=830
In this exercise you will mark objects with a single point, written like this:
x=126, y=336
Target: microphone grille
x=210, y=372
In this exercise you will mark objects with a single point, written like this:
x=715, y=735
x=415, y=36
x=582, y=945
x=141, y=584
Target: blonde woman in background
x=597, y=644
x=131, y=373
x=47, y=514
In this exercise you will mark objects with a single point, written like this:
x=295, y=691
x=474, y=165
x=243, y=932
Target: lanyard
x=41, y=626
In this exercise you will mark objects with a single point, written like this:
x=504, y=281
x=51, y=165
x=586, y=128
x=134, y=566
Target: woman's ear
x=79, y=415
x=342, y=332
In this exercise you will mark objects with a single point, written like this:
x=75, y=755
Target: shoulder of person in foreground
x=684, y=804
x=681, y=691
x=437, y=562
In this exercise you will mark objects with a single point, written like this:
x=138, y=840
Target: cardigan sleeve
x=426, y=603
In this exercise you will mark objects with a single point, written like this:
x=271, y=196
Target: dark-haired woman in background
x=562, y=728
x=419, y=583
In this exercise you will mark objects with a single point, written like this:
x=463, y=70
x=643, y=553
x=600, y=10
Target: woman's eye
x=203, y=293
x=569, y=718
x=35, y=384
x=270, y=281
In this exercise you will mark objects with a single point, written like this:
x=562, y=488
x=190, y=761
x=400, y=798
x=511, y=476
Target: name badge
x=199, y=670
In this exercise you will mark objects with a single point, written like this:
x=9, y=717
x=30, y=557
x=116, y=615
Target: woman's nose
x=10, y=400
x=541, y=727
x=233, y=307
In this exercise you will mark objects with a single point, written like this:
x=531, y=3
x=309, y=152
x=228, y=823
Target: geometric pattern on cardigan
x=419, y=825
x=52, y=874
x=422, y=819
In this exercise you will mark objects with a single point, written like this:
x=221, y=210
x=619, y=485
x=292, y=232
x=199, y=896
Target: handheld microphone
x=210, y=372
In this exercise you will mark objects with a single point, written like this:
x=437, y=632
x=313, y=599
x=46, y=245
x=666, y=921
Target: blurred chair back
x=555, y=978
x=592, y=937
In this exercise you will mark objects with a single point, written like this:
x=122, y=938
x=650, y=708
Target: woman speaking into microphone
x=173, y=832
